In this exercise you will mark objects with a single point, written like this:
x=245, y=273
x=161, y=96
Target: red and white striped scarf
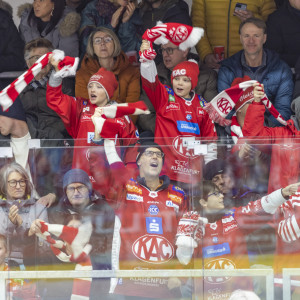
x=78, y=239
x=67, y=66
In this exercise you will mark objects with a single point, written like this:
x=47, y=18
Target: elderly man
x=262, y=65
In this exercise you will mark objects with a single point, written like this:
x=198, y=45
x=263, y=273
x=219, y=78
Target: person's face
x=150, y=163
x=214, y=201
x=3, y=252
x=103, y=45
x=15, y=186
x=78, y=195
x=42, y=9
x=34, y=55
x=223, y=182
x=97, y=94
x=6, y=125
x=252, y=39
x=172, y=56
x=295, y=3
x=182, y=86
x=241, y=114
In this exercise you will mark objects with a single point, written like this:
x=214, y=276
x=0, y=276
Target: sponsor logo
x=153, y=249
x=175, y=198
x=169, y=203
x=154, y=225
x=215, y=239
x=213, y=226
x=134, y=197
x=200, y=111
x=153, y=194
x=153, y=210
x=230, y=228
x=189, y=117
x=173, y=106
x=90, y=136
x=188, y=127
x=85, y=109
x=180, y=147
x=224, y=105
x=217, y=264
x=96, y=77
x=179, y=72
x=86, y=118
x=133, y=189
x=216, y=250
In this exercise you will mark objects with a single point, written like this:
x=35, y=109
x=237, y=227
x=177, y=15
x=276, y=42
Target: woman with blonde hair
x=104, y=50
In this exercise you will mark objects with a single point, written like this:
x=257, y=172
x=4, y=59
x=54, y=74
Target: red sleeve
x=254, y=124
x=208, y=127
x=67, y=107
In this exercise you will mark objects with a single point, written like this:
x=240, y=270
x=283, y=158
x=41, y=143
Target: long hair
x=90, y=46
x=59, y=6
x=4, y=174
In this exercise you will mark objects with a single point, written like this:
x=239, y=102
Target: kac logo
x=153, y=210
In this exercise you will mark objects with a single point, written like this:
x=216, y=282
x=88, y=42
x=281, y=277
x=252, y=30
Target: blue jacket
x=274, y=73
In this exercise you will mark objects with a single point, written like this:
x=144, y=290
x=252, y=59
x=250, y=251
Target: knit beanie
x=108, y=81
x=144, y=145
x=187, y=68
x=77, y=175
x=15, y=111
x=213, y=168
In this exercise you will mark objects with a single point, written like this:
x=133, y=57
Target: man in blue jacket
x=262, y=65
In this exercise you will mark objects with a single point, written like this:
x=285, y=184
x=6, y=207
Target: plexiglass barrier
x=194, y=219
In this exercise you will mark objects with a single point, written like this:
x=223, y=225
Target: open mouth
x=154, y=164
x=93, y=97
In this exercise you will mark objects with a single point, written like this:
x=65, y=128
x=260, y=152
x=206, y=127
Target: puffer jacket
x=64, y=36
x=11, y=46
x=285, y=160
x=127, y=76
x=18, y=237
x=275, y=74
x=220, y=26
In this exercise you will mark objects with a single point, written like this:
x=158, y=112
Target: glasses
x=34, y=58
x=168, y=50
x=152, y=153
x=99, y=40
x=80, y=189
x=217, y=194
x=13, y=183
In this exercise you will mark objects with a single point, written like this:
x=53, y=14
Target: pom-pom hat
x=107, y=79
x=187, y=68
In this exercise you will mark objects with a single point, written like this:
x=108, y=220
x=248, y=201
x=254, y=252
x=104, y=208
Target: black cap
x=15, y=111
x=213, y=168
x=144, y=145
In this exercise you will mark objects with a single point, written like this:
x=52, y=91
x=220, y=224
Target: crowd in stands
x=150, y=149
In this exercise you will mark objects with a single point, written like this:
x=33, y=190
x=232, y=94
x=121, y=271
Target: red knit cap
x=107, y=79
x=188, y=68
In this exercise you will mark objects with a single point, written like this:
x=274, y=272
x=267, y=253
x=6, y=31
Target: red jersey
x=176, y=119
x=224, y=246
x=145, y=236
x=76, y=113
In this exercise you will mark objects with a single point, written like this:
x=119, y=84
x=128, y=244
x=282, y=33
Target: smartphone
x=240, y=6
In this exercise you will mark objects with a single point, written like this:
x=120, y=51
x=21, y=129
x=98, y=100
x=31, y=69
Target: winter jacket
x=221, y=28
x=285, y=160
x=11, y=46
x=98, y=13
x=18, y=237
x=274, y=73
x=64, y=36
x=283, y=33
x=127, y=75
x=42, y=121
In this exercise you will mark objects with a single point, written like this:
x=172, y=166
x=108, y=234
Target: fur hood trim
x=69, y=24
x=6, y=6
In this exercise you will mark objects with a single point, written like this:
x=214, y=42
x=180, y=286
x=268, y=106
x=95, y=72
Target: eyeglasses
x=217, y=194
x=168, y=50
x=152, y=153
x=80, y=189
x=13, y=183
x=34, y=57
x=99, y=40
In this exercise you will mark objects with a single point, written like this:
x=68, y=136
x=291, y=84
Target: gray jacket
x=64, y=36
